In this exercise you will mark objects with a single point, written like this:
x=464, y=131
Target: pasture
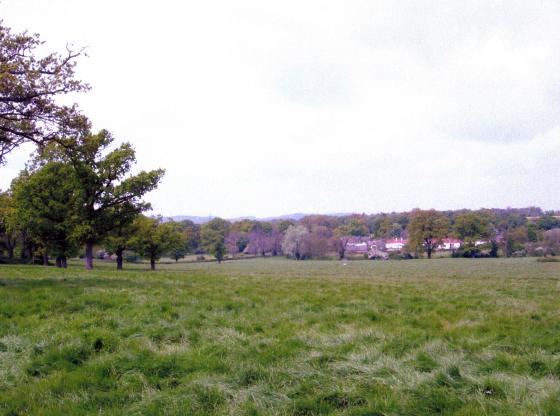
x=280, y=337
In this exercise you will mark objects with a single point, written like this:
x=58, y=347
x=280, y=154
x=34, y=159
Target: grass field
x=279, y=337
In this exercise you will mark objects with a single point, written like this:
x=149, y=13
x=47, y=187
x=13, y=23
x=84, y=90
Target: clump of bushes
x=400, y=256
x=130, y=257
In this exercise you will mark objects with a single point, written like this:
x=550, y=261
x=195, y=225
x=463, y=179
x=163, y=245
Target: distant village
x=375, y=248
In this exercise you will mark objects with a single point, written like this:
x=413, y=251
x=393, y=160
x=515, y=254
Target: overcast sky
x=272, y=107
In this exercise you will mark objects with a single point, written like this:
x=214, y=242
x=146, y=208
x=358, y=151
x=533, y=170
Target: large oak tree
x=107, y=196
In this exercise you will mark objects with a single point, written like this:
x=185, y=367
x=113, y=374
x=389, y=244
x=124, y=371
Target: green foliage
x=548, y=222
x=44, y=205
x=426, y=229
x=283, y=225
x=471, y=226
x=213, y=235
x=8, y=230
x=107, y=196
x=29, y=86
x=354, y=225
x=152, y=238
x=191, y=233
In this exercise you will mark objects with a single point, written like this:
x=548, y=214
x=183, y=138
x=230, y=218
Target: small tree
x=295, y=242
x=236, y=242
x=44, y=206
x=213, y=235
x=218, y=250
x=260, y=238
x=340, y=240
x=153, y=238
x=551, y=242
x=426, y=229
x=471, y=227
x=178, y=249
x=191, y=232
x=119, y=239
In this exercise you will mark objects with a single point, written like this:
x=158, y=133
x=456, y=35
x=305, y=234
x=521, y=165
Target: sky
x=265, y=108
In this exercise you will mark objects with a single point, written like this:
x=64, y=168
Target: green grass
x=279, y=337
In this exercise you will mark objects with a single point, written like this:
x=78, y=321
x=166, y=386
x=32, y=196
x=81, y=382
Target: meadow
x=279, y=337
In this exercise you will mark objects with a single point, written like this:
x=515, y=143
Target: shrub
x=130, y=257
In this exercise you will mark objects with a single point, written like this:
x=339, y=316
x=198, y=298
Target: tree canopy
x=44, y=205
x=213, y=235
x=426, y=229
x=29, y=86
x=107, y=195
x=153, y=238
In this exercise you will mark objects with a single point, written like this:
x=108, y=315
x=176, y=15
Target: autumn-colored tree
x=339, y=241
x=260, y=238
x=236, y=242
x=318, y=241
x=426, y=229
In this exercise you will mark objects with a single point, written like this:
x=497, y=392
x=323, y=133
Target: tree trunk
x=429, y=252
x=89, y=255
x=58, y=262
x=64, y=262
x=45, y=259
x=152, y=264
x=11, y=251
x=119, y=259
x=27, y=253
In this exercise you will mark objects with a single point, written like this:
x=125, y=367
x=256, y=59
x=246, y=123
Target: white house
x=395, y=244
x=449, y=244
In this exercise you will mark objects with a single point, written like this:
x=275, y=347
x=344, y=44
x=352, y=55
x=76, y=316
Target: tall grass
x=279, y=337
